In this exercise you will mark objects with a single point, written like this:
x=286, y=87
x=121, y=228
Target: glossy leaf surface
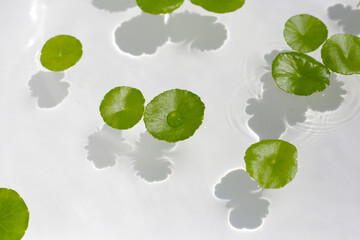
x=14, y=215
x=272, y=163
x=219, y=6
x=341, y=54
x=305, y=33
x=122, y=107
x=174, y=115
x=159, y=6
x=60, y=53
x=299, y=74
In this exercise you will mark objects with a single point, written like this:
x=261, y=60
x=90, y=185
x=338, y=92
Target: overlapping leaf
x=341, y=54
x=299, y=74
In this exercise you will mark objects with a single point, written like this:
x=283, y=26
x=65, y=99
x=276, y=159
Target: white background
x=82, y=180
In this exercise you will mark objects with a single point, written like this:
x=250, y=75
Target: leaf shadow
x=105, y=146
x=200, y=32
x=145, y=33
x=48, y=88
x=347, y=17
x=244, y=196
x=274, y=108
x=114, y=5
x=151, y=160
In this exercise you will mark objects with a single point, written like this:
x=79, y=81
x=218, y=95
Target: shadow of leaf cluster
x=347, y=17
x=270, y=112
x=150, y=157
x=244, y=199
x=145, y=33
x=114, y=5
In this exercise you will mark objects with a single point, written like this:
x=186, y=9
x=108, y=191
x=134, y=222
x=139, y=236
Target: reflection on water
x=244, y=199
x=145, y=33
x=48, y=88
x=150, y=159
x=347, y=17
x=114, y=5
x=271, y=112
x=259, y=108
x=274, y=109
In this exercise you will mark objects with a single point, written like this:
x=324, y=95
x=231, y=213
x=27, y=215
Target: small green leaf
x=14, y=215
x=341, y=54
x=122, y=107
x=60, y=53
x=358, y=5
x=159, y=6
x=299, y=74
x=174, y=115
x=272, y=163
x=219, y=6
x=305, y=33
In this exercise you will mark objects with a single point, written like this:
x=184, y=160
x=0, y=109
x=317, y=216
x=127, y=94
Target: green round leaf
x=159, y=6
x=272, y=163
x=305, y=33
x=299, y=74
x=122, y=107
x=14, y=215
x=60, y=53
x=341, y=54
x=219, y=6
x=174, y=115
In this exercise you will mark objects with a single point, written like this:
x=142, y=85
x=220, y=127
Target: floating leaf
x=305, y=33
x=299, y=74
x=272, y=163
x=14, y=215
x=159, y=6
x=174, y=115
x=219, y=6
x=122, y=107
x=341, y=54
x=60, y=53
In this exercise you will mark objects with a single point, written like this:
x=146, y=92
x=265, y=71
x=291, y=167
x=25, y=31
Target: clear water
x=84, y=180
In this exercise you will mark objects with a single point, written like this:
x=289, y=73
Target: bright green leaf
x=174, y=115
x=60, y=53
x=14, y=215
x=272, y=163
x=305, y=33
x=159, y=6
x=299, y=74
x=341, y=54
x=122, y=107
x=219, y=6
